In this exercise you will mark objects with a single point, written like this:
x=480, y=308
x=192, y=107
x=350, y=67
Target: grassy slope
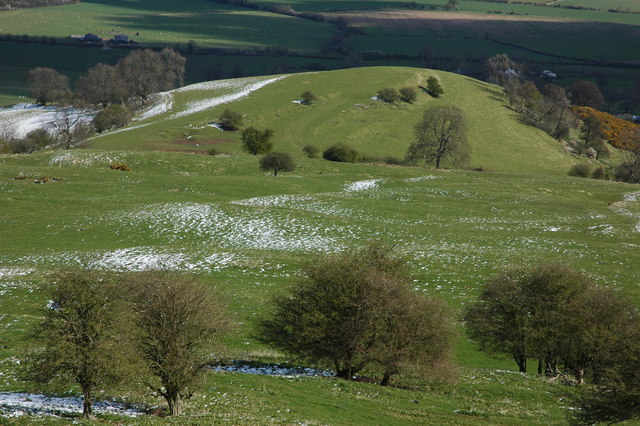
x=458, y=228
x=346, y=113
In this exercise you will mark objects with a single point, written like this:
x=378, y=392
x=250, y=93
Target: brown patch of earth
x=193, y=142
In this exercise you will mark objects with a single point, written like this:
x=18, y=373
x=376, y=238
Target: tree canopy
x=440, y=137
x=357, y=310
x=277, y=162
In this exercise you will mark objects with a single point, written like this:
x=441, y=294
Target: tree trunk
x=385, y=379
x=540, y=366
x=521, y=360
x=175, y=404
x=87, y=403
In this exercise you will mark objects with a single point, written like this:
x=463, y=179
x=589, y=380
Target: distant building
x=120, y=38
x=90, y=37
x=548, y=74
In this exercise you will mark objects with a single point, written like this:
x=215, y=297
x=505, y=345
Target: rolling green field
x=346, y=113
x=208, y=24
x=545, y=37
x=247, y=232
x=202, y=213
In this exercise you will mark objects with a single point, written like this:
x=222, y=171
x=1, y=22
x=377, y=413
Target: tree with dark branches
x=178, y=321
x=440, y=137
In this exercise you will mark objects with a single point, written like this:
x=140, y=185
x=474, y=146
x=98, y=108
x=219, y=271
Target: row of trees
x=115, y=90
x=355, y=311
x=103, y=329
x=571, y=327
x=137, y=75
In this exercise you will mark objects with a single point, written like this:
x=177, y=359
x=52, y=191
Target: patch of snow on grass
x=163, y=102
x=83, y=159
x=362, y=185
x=246, y=229
x=245, y=86
x=273, y=200
x=620, y=207
x=20, y=404
x=25, y=118
x=273, y=370
x=13, y=272
x=632, y=197
x=140, y=259
x=552, y=229
x=421, y=178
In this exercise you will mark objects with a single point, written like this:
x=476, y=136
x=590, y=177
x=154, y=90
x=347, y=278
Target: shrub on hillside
x=311, y=151
x=615, y=130
x=409, y=94
x=389, y=95
x=255, y=141
x=277, y=162
x=308, y=98
x=580, y=170
x=342, y=153
x=434, y=88
x=112, y=117
x=357, y=311
x=602, y=173
x=230, y=120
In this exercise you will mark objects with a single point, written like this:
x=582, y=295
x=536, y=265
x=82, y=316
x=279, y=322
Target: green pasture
x=594, y=41
x=248, y=232
x=208, y=24
x=482, y=7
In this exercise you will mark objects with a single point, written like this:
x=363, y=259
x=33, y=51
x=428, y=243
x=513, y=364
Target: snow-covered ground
x=231, y=228
x=140, y=259
x=272, y=370
x=163, y=102
x=239, y=89
x=362, y=185
x=20, y=404
x=24, y=118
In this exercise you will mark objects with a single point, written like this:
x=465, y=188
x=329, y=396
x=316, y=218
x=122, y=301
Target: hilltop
x=181, y=120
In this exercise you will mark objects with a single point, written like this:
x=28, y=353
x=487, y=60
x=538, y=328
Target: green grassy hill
x=220, y=217
x=248, y=232
x=346, y=113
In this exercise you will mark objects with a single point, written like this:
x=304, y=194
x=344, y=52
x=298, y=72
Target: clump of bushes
x=120, y=166
x=308, y=98
x=580, y=170
x=602, y=173
x=230, y=120
x=389, y=95
x=311, y=151
x=112, y=117
x=342, y=153
x=434, y=88
x=409, y=94
x=585, y=170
